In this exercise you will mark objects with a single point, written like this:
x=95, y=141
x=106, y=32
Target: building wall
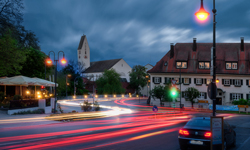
x=93, y=76
x=224, y=94
x=123, y=69
x=83, y=54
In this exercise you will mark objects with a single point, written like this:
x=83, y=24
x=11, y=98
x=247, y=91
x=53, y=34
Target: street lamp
x=49, y=61
x=147, y=84
x=213, y=51
x=67, y=84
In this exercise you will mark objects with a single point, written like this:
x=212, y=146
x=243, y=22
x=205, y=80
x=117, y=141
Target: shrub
x=96, y=105
x=241, y=102
x=86, y=106
x=17, y=97
x=1, y=97
x=38, y=111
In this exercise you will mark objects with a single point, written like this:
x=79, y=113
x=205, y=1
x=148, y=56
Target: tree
x=138, y=78
x=11, y=56
x=34, y=66
x=109, y=83
x=191, y=94
x=158, y=92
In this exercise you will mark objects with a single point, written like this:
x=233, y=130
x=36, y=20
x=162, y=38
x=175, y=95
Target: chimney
x=242, y=44
x=171, y=50
x=194, y=45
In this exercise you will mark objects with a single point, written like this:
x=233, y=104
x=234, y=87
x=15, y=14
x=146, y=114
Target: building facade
x=189, y=63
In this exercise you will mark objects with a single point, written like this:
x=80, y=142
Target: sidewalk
x=7, y=121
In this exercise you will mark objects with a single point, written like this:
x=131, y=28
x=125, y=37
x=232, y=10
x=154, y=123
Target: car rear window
x=199, y=123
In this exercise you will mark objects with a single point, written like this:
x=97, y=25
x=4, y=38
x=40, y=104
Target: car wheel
x=234, y=143
x=183, y=147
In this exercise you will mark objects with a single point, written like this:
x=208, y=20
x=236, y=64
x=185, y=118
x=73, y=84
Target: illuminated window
x=204, y=65
x=186, y=81
x=232, y=65
x=181, y=64
x=209, y=81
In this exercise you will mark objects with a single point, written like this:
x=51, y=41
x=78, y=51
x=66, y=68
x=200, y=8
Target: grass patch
x=232, y=112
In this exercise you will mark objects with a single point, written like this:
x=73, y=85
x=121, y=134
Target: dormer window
x=166, y=63
x=204, y=65
x=181, y=64
x=231, y=65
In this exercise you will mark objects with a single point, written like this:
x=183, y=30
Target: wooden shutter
x=205, y=80
x=231, y=96
x=247, y=82
x=179, y=80
x=202, y=81
x=182, y=81
x=166, y=80
x=241, y=82
x=205, y=95
x=160, y=79
x=194, y=80
x=154, y=79
x=222, y=81
x=231, y=82
x=189, y=80
x=241, y=95
x=247, y=96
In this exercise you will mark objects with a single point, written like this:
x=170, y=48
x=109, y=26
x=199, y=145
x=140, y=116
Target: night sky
x=139, y=31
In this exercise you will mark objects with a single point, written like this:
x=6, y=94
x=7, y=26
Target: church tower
x=83, y=52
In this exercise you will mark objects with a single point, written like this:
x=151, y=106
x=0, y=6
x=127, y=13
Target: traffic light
x=174, y=92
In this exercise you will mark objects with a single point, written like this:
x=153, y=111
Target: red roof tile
x=224, y=52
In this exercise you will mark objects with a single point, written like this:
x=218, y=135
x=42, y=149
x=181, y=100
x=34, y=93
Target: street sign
x=217, y=127
x=209, y=90
x=173, y=82
x=212, y=64
x=155, y=109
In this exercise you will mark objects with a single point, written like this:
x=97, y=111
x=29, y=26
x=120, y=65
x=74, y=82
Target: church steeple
x=83, y=52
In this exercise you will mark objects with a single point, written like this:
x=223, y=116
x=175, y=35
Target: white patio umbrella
x=44, y=82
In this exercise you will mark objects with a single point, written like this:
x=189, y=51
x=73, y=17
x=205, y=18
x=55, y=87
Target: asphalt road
x=139, y=129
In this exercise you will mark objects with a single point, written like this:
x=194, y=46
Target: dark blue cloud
x=138, y=31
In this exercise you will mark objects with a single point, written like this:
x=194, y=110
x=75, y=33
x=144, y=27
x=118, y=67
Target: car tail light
x=184, y=132
x=208, y=134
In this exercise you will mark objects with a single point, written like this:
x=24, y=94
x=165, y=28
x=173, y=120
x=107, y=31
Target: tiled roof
x=224, y=52
x=101, y=66
x=81, y=42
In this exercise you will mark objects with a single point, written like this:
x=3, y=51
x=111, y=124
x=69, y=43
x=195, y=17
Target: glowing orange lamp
x=64, y=61
x=49, y=61
x=202, y=14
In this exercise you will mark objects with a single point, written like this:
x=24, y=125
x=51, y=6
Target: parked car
x=197, y=134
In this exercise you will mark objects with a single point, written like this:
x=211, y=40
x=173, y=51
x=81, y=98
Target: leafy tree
x=11, y=55
x=158, y=92
x=191, y=93
x=34, y=66
x=109, y=83
x=138, y=78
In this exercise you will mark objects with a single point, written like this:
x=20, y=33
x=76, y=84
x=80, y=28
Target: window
x=226, y=81
x=199, y=81
x=157, y=80
x=202, y=95
x=209, y=81
x=232, y=65
x=207, y=65
x=204, y=65
x=201, y=65
x=180, y=64
x=177, y=80
x=186, y=81
x=236, y=96
x=237, y=82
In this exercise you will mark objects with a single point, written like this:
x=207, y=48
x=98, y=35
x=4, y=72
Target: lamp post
x=180, y=87
x=67, y=84
x=147, y=85
x=202, y=15
x=49, y=61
